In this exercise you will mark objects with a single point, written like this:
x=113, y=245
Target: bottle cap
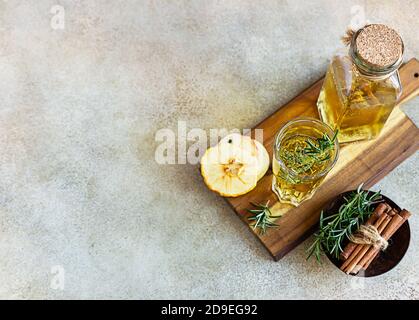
x=377, y=48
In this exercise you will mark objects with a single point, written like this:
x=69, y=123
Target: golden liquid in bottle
x=357, y=106
x=295, y=188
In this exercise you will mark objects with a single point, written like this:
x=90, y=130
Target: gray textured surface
x=80, y=107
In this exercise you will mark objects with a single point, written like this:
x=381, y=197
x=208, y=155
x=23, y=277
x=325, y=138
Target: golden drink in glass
x=297, y=171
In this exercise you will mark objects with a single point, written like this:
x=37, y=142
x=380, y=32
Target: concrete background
x=80, y=191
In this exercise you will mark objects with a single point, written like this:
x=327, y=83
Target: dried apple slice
x=253, y=146
x=229, y=170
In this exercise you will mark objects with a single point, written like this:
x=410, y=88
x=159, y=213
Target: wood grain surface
x=361, y=162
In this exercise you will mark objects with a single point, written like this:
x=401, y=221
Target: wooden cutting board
x=360, y=162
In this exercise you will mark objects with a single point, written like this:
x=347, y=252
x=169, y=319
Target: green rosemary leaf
x=262, y=217
x=321, y=219
x=253, y=211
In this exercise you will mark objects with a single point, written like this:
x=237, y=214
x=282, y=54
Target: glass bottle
x=361, y=88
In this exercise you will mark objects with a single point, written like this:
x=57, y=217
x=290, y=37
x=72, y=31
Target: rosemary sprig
x=309, y=153
x=317, y=149
x=337, y=227
x=262, y=217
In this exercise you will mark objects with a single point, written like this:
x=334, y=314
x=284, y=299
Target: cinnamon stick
x=360, y=249
x=405, y=215
x=391, y=228
x=381, y=224
x=380, y=230
x=378, y=212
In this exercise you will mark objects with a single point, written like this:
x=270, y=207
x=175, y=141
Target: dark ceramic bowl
x=386, y=260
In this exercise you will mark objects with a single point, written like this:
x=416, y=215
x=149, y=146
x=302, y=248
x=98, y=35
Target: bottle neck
x=373, y=76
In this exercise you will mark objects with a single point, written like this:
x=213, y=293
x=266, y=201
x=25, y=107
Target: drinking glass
x=297, y=173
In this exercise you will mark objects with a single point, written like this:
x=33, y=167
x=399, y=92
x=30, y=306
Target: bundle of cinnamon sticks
x=385, y=220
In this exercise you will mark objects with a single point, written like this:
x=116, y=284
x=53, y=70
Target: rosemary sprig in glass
x=309, y=153
x=262, y=217
x=337, y=227
x=318, y=149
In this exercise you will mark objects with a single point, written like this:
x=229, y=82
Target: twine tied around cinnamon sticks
x=369, y=235
x=385, y=221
